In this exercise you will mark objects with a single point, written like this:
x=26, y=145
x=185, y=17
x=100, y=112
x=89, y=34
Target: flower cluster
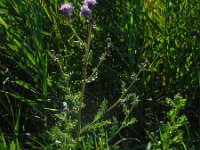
x=66, y=9
x=86, y=9
x=90, y=3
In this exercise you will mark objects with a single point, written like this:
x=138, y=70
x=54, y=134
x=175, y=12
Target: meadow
x=100, y=75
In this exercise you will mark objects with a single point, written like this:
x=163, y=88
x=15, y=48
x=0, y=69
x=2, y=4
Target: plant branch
x=118, y=101
x=84, y=71
x=102, y=58
x=124, y=94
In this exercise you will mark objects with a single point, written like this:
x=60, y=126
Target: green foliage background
x=40, y=62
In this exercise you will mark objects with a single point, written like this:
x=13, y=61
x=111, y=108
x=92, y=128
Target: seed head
x=66, y=9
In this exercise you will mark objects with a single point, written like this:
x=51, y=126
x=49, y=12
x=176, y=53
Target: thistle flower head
x=66, y=9
x=85, y=11
x=90, y=3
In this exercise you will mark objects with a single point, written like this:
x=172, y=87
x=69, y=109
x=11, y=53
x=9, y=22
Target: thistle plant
x=86, y=12
x=126, y=101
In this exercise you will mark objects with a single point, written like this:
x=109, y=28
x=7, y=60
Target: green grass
x=41, y=67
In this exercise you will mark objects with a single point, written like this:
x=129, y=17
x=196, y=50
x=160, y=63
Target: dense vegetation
x=127, y=78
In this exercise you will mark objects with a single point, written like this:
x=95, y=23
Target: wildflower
x=66, y=9
x=85, y=11
x=90, y=3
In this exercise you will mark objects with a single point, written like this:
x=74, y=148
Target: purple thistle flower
x=90, y=3
x=85, y=11
x=66, y=9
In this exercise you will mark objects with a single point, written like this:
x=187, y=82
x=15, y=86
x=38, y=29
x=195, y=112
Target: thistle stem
x=84, y=72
